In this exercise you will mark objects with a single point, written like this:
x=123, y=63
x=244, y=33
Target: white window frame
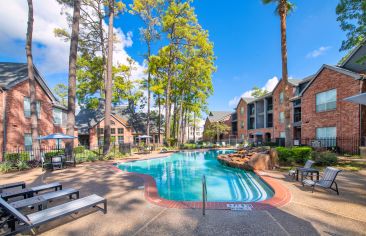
x=330, y=103
x=57, y=116
x=28, y=139
x=281, y=97
x=282, y=117
x=27, y=108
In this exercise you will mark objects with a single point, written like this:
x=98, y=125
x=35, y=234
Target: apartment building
x=224, y=117
x=318, y=110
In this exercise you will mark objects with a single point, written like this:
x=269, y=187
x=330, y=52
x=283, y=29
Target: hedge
x=297, y=155
x=15, y=157
x=324, y=158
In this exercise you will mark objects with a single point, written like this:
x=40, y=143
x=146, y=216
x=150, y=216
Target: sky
x=246, y=37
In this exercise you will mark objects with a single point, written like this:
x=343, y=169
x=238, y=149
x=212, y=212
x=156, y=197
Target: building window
x=242, y=110
x=282, y=135
x=120, y=139
x=242, y=124
x=282, y=117
x=100, y=141
x=327, y=136
x=120, y=130
x=100, y=131
x=326, y=101
x=112, y=122
x=28, y=141
x=281, y=98
x=113, y=130
x=326, y=132
x=242, y=136
x=57, y=116
x=27, y=108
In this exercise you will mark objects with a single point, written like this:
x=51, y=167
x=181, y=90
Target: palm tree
x=32, y=81
x=282, y=9
x=72, y=73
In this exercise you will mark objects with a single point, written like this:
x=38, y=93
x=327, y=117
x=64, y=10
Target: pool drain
x=240, y=207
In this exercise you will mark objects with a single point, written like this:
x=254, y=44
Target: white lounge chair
x=302, y=170
x=31, y=221
x=327, y=181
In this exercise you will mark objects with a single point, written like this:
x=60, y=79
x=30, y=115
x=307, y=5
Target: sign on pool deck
x=240, y=207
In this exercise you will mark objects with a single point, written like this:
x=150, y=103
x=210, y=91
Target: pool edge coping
x=280, y=198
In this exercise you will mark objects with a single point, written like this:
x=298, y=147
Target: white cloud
x=269, y=86
x=50, y=53
x=318, y=52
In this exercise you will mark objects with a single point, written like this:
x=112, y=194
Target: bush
x=86, y=155
x=14, y=157
x=6, y=166
x=49, y=155
x=79, y=149
x=22, y=165
x=298, y=155
x=324, y=158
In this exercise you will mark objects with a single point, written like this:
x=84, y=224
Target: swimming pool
x=179, y=178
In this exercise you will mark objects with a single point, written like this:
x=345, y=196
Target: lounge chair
x=41, y=200
x=12, y=185
x=31, y=221
x=302, y=170
x=326, y=181
x=29, y=192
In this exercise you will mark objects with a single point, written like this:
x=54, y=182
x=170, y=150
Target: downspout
x=4, y=123
x=360, y=112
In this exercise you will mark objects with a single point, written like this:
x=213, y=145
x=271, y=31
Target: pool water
x=179, y=178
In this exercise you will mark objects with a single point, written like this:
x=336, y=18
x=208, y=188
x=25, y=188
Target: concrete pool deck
x=129, y=213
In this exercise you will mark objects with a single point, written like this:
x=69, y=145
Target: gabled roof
x=351, y=63
x=216, y=116
x=246, y=100
x=335, y=68
x=12, y=74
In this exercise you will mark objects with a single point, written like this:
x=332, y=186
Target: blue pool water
x=179, y=177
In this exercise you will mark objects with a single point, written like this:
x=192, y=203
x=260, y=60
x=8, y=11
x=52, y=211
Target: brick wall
x=118, y=123
x=346, y=116
x=242, y=117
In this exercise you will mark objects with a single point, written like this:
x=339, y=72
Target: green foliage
x=22, y=165
x=351, y=14
x=6, y=166
x=258, y=92
x=86, y=155
x=297, y=155
x=213, y=130
x=14, y=157
x=79, y=149
x=324, y=158
x=61, y=91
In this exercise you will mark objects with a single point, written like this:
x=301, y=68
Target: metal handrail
x=204, y=194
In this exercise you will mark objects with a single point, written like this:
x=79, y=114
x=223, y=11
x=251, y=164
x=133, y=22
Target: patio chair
x=57, y=162
x=33, y=220
x=41, y=200
x=326, y=182
x=302, y=170
x=29, y=192
x=12, y=185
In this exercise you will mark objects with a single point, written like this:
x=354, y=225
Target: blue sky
x=246, y=36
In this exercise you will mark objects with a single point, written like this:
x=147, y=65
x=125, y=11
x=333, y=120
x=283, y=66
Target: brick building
x=15, y=128
x=124, y=127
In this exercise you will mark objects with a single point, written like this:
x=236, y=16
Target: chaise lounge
x=31, y=221
x=29, y=192
x=326, y=182
x=295, y=172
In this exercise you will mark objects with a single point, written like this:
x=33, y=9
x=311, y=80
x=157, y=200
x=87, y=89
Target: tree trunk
x=108, y=86
x=70, y=126
x=159, y=119
x=32, y=80
x=286, y=90
x=148, y=94
x=102, y=42
x=194, y=127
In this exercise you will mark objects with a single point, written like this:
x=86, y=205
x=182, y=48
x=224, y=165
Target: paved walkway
x=321, y=213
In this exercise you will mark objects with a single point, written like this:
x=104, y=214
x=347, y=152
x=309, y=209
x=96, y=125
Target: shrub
x=324, y=158
x=298, y=155
x=79, y=149
x=91, y=158
x=14, y=157
x=86, y=155
x=6, y=166
x=22, y=165
x=301, y=154
x=49, y=155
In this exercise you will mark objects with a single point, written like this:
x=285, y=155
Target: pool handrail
x=204, y=194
